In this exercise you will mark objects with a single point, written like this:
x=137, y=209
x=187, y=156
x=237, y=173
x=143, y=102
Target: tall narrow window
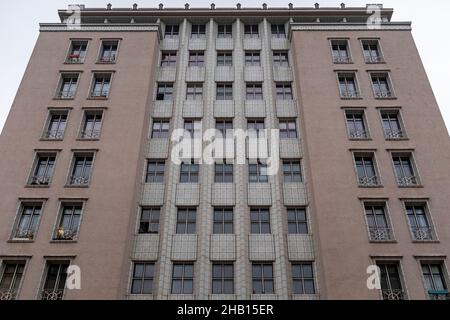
x=435, y=280
x=404, y=169
x=372, y=52
x=198, y=30
x=392, y=125
x=288, y=129
x=252, y=58
x=168, y=59
x=193, y=127
x=391, y=284
x=278, y=31
x=251, y=30
x=419, y=222
x=297, y=221
x=259, y=221
x=303, y=278
x=164, y=91
x=11, y=279
x=68, y=86
x=256, y=125
x=365, y=169
x=186, y=220
x=142, y=279
x=223, y=172
x=182, y=278
x=160, y=128
x=347, y=86
x=196, y=58
x=356, y=126
x=77, y=51
x=189, y=172
x=55, y=280
x=223, y=125
x=224, y=31
x=224, y=91
x=30, y=214
x=284, y=91
x=281, y=58
x=56, y=125
x=194, y=91
x=224, y=58
x=81, y=171
x=171, y=31
x=340, y=50
x=69, y=222
x=101, y=85
x=257, y=172
x=254, y=91
x=292, y=171
x=262, y=278
x=381, y=85
x=108, y=53
x=223, y=221
x=43, y=171
x=92, y=125
x=222, y=278
x=377, y=222
x=155, y=171
x=149, y=222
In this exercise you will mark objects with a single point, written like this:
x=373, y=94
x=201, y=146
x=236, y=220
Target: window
x=281, y=58
x=43, y=171
x=69, y=221
x=404, y=169
x=196, y=58
x=29, y=216
x=149, y=222
x=288, y=129
x=198, y=30
x=101, y=85
x=223, y=221
x=392, y=125
x=278, y=31
x=55, y=280
x=347, y=86
x=160, y=128
x=223, y=125
x=297, y=221
x=365, y=169
x=222, y=278
x=391, y=284
x=372, y=52
x=224, y=31
x=381, y=85
x=155, y=171
x=435, y=280
x=224, y=58
x=262, y=278
x=142, y=280
x=223, y=173
x=108, y=52
x=377, y=222
x=77, y=51
x=303, y=278
x=259, y=221
x=256, y=125
x=56, y=125
x=418, y=222
x=186, y=220
x=356, y=127
x=224, y=91
x=251, y=30
x=257, y=172
x=193, y=127
x=92, y=125
x=284, y=91
x=254, y=91
x=252, y=58
x=340, y=51
x=182, y=278
x=171, y=31
x=11, y=279
x=81, y=171
x=194, y=91
x=68, y=86
x=189, y=172
x=168, y=59
x=164, y=91
x=292, y=171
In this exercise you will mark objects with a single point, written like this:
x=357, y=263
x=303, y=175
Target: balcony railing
x=374, y=59
x=407, y=181
x=367, y=181
x=393, y=134
x=40, y=180
x=384, y=94
x=392, y=294
x=380, y=233
x=65, y=95
x=54, y=134
x=90, y=134
x=79, y=180
x=422, y=233
x=110, y=59
x=24, y=234
x=350, y=95
x=7, y=295
x=358, y=134
x=439, y=294
x=53, y=294
x=66, y=234
x=342, y=60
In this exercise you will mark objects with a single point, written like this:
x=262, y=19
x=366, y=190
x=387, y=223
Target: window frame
x=411, y=181
x=298, y=222
x=253, y=61
x=59, y=135
x=155, y=176
x=225, y=94
x=151, y=221
x=193, y=176
x=278, y=58
x=369, y=184
x=167, y=92
x=222, y=222
x=339, y=42
x=35, y=165
x=302, y=278
x=23, y=203
x=392, y=294
x=13, y=292
x=286, y=86
x=225, y=33
x=196, y=94
x=280, y=30
x=263, y=278
x=355, y=134
x=196, y=62
x=160, y=134
x=223, y=278
x=444, y=276
x=388, y=229
x=224, y=58
x=373, y=60
x=173, y=33
x=200, y=31
x=168, y=59
x=113, y=57
x=431, y=233
x=251, y=33
x=183, y=278
x=134, y=278
x=55, y=294
x=94, y=134
x=402, y=134
x=254, y=91
x=70, y=52
x=104, y=94
x=349, y=95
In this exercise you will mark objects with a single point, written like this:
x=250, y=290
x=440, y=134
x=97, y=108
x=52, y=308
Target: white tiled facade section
x=305, y=297
x=157, y=148
x=167, y=74
x=253, y=74
x=188, y=194
x=152, y=194
x=170, y=44
x=162, y=108
x=259, y=194
x=223, y=247
x=255, y=108
x=290, y=148
x=264, y=297
x=286, y=108
x=222, y=297
x=223, y=108
x=252, y=43
x=181, y=297
x=140, y=297
x=294, y=194
x=195, y=74
x=261, y=247
x=197, y=44
x=282, y=74
x=300, y=247
x=224, y=74
x=224, y=44
x=184, y=247
x=146, y=247
x=193, y=109
x=223, y=194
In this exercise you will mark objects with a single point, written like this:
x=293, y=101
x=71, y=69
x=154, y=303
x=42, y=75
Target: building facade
x=90, y=186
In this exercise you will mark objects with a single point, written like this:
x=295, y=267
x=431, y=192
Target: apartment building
x=89, y=180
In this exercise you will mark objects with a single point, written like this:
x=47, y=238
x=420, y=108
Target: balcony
x=350, y=95
x=40, y=180
x=422, y=233
x=380, y=234
x=367, y=181
x=7, y=295
x=252, y=42
x=63, y=95
x=384, y=95
x=358, y=134
x=90, y=134
x=74, y=59
x=24, y=234
x=438, y=294
x=167, y=74
x=79, y=181
x=407, y=181
x=376, y=59
x=65, y=234
x=195, y=74
x=393, y=294
x=391, y=134
x=52, y=294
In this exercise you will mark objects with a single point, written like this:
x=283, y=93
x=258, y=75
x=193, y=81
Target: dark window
x=101, y=86
x=225, y=31
x=404, y=170
x=356, y=127
x=223, y=172
x=280, y=58
x=262, y=278
x=56, y=125
x=223, y=221
x=55, y=281
x=168, y=59
x=391, y=284
x=254, y=91
x=292, y=171
x=77, y=52
x=365, y=169
x=297, y=221
x=194, y=91
x=372, y=52
x=340, y=51
x=155, y=171
x=223, y=125
x=259, y=221
x=257, y=172
x=418, y=221
x=183, y=278
x=171, y=31
x=196, y=58
x=222, y=278
x=303, y=278
x=252, y=58
x=11, y=279
x=256, y=125
x=28, y=221
x=149, y=222
x=189, y=172
x=381, y=86
x=108, y=52
x=198, y=30
x=278, y=31
x=164, y=91
x=377, y=222
x=193, y=127
x=70, y=222
x=284, y=91
x=224, y=91
x=43, y=171
x=435, y=280
x=288, y=129
x=92, y=125
x=392, y=125
x=186, y=220
x=68, y=86
x=251, y=30
x=142, y=281
x=224, y=58
x=82, y=167
x=347, y=86
x=160, y=128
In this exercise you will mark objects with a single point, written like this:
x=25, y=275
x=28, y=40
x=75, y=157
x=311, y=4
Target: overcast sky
x=19, y=21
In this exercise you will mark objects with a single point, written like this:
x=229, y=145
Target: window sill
x=63, y=241
x=16, y=240
x=77, y=63
x=337, y=62
x=37, y=186
x=76, y=186
x=426, y=241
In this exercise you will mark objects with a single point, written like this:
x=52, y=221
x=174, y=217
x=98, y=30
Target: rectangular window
x=224, y=91
x=194, y=91
x=257, y=172
x=193, y=127
x=56, y=125
x=278, y=31
x=224, y=31
x=372, y=52
x=101, y=85
x=251, y=30
x=149, y=222
x=28, y=221
x=82, y=168
x=284, y=91
x=68, y=86
x=252, y=58
x=222, y=278
x=223, y=173
x=55, y=280
x=11, y=279
x=419, y=221
x=108, y=53
x=377, y=222
x=77, y=51
x=155, y=171
x=435, y=280
x=142, y=280
x=303, y=278
x=347, y=86
x=297, y=221
x=292, y=171
x=223, y=221
x=356, y=126
x=160, y=128
x=168, y=59
x=340, y=51
x=392, y=125
x=259, y=221
x=223, y=125
x=404, y=169
x=390, y=280
x=365, y=169
x=43, y=169
x=182, y=278
x=224, y=58
x=164, y=91
x=262, y=278
x=254, y=91
x=171, y=31
x=92, y=124
x=288, y=129
x=381, y=84
x=69, y=221
x=189, y=172
x=196, y=58
x=198, y=30
x=281, y=58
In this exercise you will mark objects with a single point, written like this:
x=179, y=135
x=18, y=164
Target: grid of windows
x=292, y=171
x=142, y=279
x=160, y=128
x=252, y=58
x=222, y=278
x=155, y=171
x=224, y=58
x=297, y=221
x=196, y=58
x=149, y=221
x=182, y=278
x=262, y=278
x=189, y=172
x=186, y=220
x=259, y=221
x=223, y=221
x=303, y=278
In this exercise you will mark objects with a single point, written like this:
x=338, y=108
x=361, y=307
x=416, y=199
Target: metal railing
x=342, y=60
x=74, y=58
x=79, y=180
x=422, y=233
x=392, y=294
x=358, y=134
x=393, y=134
x=90, y=134
x=375, y=59
x=380, y=233
x=53, y=294
x=384, y=94
x=107, y=59
x=367, y=181
x=40, y=180
x=407, y=181
x=439, y=294
x=66, y=234
x=7, y=294
x=99, y=94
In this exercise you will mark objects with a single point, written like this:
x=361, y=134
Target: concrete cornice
x=63, y=27
x=347, y=26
